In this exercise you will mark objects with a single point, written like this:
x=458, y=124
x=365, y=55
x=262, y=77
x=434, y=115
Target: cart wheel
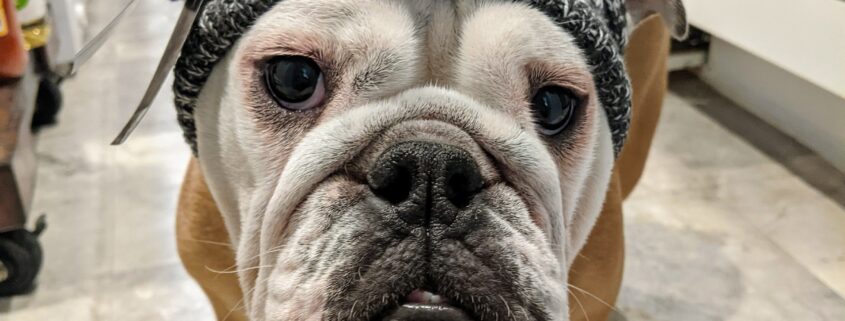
x=21, y=255
x=47, y=103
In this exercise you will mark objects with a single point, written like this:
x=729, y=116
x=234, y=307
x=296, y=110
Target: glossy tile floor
x=718, y=229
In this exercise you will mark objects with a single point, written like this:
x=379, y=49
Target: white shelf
x=806, y=37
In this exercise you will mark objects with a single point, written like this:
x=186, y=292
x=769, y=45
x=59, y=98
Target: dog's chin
x=445, y=303
x=425, y=305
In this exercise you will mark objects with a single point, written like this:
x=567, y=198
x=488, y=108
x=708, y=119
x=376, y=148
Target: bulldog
x=404, y=160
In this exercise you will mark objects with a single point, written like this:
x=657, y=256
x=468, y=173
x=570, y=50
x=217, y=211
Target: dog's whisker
x=352, y=310
x=236, y=271
x=272, y=250
x=204, y=241
x=592, y=296
x=506, y=305
x=584, y=311
x=524, y=313
x=238, y=305
x=241, y=304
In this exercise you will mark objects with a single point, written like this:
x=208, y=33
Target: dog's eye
x=295, y=82
x=553, y=108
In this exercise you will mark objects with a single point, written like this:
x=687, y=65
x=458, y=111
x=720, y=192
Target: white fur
x=591, y=201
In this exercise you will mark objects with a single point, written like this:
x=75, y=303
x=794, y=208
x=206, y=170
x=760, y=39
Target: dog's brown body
x=595, y=275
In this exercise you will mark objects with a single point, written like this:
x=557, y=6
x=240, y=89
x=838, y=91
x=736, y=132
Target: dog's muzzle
x=426, y=185
x=429, y=206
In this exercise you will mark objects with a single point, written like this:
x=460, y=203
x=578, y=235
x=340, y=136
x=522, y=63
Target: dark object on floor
x=21, y=255
x=697, y=39
x=48, y=100
x=47, y=103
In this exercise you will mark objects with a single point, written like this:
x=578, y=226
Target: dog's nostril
x=431, y=182
x=463, y=182
x=393, y=184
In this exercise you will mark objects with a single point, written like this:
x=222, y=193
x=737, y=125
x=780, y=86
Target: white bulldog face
x=408, y=160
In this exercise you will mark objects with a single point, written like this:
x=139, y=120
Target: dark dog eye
x=295, y=82
x=553, y=108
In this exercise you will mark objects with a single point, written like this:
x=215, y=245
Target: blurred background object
x=36, y=32
x=12, y=45
x=70, y=21
x=20, y=251
x=33, y=20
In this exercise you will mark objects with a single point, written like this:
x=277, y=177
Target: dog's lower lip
x=424, y=305
x=426, y=312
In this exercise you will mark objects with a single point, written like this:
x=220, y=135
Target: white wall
x=814, y=116
x=804, y=37
x=784, y=61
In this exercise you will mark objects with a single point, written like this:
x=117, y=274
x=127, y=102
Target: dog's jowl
x=408, y=160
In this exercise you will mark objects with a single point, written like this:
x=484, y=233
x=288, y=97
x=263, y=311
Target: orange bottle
x=13, y=56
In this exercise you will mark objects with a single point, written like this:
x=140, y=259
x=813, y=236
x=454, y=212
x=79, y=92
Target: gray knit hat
x=597, y=25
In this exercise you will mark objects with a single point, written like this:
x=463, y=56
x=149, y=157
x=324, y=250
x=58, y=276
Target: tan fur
x=597, y=271
x=204, y=246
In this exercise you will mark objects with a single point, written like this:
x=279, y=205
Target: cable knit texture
x=597, y=25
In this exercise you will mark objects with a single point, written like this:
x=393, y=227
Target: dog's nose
x=429, y=180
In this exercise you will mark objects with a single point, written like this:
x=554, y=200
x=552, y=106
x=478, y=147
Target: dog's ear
x=672, y=11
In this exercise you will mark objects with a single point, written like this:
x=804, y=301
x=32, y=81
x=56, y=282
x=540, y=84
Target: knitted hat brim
x=598, y=27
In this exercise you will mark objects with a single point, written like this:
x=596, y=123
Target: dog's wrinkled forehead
x=598, y=27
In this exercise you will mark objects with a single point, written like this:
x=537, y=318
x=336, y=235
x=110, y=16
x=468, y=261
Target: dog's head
x=407, y=160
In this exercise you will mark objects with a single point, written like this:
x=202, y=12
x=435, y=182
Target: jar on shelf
x=32, y=15
x=13, y=56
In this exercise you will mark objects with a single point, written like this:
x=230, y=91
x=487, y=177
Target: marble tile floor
x=719, y=228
